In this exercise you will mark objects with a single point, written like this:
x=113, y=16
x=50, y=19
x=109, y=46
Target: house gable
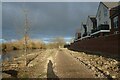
x=83, y=29
x=103, y=15
x=94, y=21
x=90, y=24
x=99, y=7
x=108, y=5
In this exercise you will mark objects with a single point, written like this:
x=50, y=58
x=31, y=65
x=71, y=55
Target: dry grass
x=32, y=44
x=56, y=43
x=19, y=45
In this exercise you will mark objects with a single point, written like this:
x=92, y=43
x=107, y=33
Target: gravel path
x=61, y=63
x=68, y=67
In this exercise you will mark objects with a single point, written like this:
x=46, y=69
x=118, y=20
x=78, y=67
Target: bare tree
x=26, y=36
x=59, y=42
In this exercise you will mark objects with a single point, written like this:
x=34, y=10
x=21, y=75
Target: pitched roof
x=110, y=4
x=93, y=19
x=92, y=16
x=115, y=11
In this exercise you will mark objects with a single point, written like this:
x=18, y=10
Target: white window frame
x=116, y=32
x=105, y=12
x=115, y=22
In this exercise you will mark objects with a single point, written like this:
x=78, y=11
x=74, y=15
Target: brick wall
x=108, y=45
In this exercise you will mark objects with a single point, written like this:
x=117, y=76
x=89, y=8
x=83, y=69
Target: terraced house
x=91, y=25
x=115, y=20
x=100, y=25
x=83, y=30
x=103, y=36
x=77, y=35
x=103, y=18
x=87, y=28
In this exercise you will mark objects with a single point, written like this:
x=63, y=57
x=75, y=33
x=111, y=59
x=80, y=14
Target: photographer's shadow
x=50, y=72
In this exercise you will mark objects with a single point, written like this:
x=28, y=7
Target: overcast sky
x=47, y=19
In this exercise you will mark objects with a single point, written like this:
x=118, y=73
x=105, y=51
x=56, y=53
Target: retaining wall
x=108, y=45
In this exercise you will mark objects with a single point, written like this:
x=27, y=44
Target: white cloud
x=2, y=41
x=13, y=40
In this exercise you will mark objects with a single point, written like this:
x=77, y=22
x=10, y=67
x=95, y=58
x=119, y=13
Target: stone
x=99, y=75
x=89, y=67
x=4, y=75
x=30, y=65
x=100, y=57
x=91, y=59
x=93, y=68
x=107, y=72
x=14, y=65
x=89, y=64
x=99, y=68
x=96, y=74
x=113, y=76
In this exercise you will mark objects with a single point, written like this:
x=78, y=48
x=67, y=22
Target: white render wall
x=89, y=25
x=103, y=19
x=82, y=30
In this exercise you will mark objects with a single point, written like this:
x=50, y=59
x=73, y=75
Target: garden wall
x=108, y=45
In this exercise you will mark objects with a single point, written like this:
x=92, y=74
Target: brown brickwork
x=109, y=45
x=113, y=13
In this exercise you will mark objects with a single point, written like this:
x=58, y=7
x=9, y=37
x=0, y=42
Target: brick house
x=91, y=24
x=83, y=30
x=103, y=13
x=103, y=18
x=115, y=20
x=100, y=25
x=77, y=35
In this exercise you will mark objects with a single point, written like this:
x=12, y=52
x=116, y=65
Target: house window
x=116, y=32
x=105, y=12
x=115, y=22
x=105, y=22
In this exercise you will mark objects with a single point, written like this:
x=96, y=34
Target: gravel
x=101, y=66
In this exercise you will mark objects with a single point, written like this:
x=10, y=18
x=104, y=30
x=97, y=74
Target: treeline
x=32, y=44
x=56, y=43
x=19, y=45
